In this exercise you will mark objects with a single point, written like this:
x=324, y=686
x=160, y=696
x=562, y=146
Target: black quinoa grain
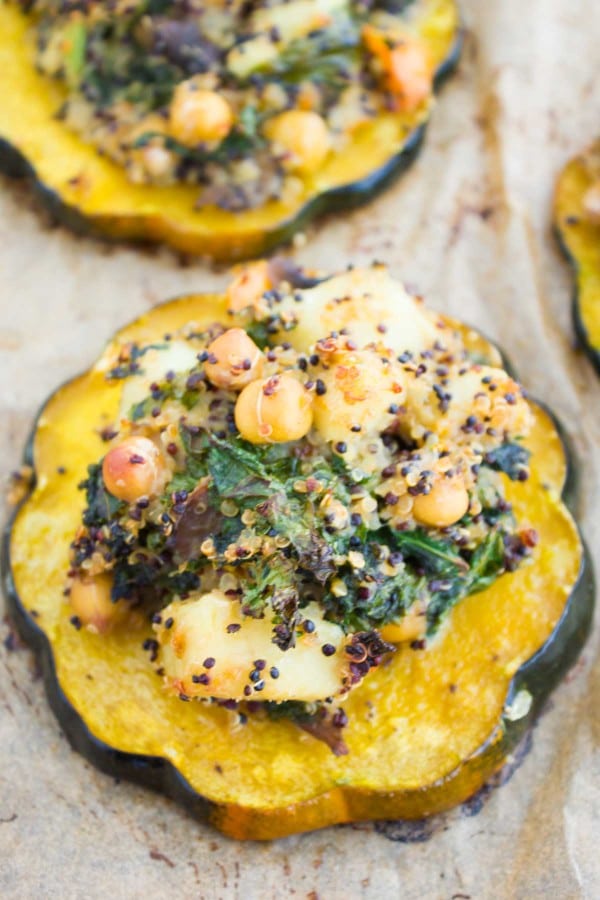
x=339, y=719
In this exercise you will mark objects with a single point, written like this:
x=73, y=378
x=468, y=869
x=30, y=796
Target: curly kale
x=346, y=570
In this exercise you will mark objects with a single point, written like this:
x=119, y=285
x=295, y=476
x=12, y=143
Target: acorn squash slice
x=425, y=732
x=91, y=194
x=579, y=236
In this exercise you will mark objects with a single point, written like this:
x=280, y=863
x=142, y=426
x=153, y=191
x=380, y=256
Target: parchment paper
x=468, y=225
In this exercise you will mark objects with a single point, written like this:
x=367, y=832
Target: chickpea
x=304, y=138
x=274, y=410
x=445, y=504
x=132, y=469
x=197, y=115
x=250, y=283
x=410, y=627
x=91, y=602
x=237, y=360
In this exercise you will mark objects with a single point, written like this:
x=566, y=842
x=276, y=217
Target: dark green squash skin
x=583, y=338
x=345, y=197
x=539, y=675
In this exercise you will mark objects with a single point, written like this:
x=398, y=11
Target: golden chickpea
x=445, y=504
x=274, y=410
x=304, y=138
x=91, y=602
x=409, y=628
x=197, y=115
x=234, y=360
x=250, y=283
x=132, y=469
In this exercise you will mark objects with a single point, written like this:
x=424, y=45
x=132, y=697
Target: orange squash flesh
x=426, y=730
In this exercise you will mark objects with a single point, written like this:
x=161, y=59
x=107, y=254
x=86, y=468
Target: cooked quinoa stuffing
x=244, y=99
x=290, y=496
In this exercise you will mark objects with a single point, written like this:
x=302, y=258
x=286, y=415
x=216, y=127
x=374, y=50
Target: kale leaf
x=487, y=562
x=512, y=459
x=236, y=472
x=101, y=507
x=434, y=555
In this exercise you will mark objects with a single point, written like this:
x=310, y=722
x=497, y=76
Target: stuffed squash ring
x=297, y=555
x=219, y=128
x=577, y=222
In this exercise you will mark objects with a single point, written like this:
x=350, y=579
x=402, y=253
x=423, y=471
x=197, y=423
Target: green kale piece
x=101, y=507
x=371, y=598
x=259, y=332
x=240, y=472
x=296, y=710
x=512, y=459
x=237, y=473
x=487, y=562
x=436, y=556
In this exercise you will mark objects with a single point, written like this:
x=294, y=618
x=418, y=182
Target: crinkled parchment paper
x=468, y=225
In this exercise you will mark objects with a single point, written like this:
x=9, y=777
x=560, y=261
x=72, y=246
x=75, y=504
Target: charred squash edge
x=345, y=197
x=583, y=337
x=539, y=676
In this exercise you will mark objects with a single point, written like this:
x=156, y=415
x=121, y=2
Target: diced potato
x=205, y=654
x=177, y=356
x=369, y=305
x=479, y=399
x=361, y=398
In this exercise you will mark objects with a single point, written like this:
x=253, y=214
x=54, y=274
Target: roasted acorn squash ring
x=580, y=242
x=480, y=684
x=90, y=194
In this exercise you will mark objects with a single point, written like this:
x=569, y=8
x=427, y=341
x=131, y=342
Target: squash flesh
x=409, y=729
x=97, y=190
x=581, y=240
